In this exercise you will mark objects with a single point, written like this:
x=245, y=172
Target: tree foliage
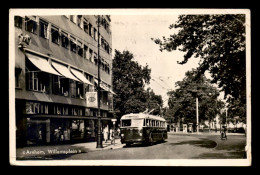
x=219, y=42
x=129, y=79
x=182, y=100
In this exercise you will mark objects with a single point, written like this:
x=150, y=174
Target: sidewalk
x=204, y=133
x=49, y=151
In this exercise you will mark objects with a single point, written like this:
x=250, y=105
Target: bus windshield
x=132, y=123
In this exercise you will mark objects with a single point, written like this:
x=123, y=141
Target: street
x=177, y=146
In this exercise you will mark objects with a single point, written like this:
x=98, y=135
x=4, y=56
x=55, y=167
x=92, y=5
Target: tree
x=129, y=79
x=154, y=102
x=182, y=100
x=219, y=42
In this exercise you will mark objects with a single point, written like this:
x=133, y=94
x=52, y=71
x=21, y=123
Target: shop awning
x=80, y=76
x=112, y=92
x=105, y=87
x=63, y=70
x=102, y=86
x=42, y=64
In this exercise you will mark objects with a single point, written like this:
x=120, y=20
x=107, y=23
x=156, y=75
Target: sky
x=134, y=33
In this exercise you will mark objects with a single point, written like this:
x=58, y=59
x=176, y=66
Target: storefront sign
x=91, y=99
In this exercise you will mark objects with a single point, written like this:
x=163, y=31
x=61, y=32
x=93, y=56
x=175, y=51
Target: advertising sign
x=91, y=99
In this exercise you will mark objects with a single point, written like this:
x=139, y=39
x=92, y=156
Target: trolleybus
x=142, y=128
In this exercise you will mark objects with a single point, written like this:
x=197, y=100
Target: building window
x=90, y=55
x=103, y=66
x=95, y=34
x=95, y=59
x=73, y=45
x=43, y=109
x=65, y=111
x=85, y=26
x=17, y=77
x=80, y=21
x=56, y=84
x=73, y=88
x=85, y=52
x=18, y=21
x=32, y=108
x=64, y=40
x=73, y=18
x=30, y=25
x=79, y=89
x=90, y=29
x=44, y=29
x=36, y=80
x=33, y=81
x=80, y=49
x=55, y=35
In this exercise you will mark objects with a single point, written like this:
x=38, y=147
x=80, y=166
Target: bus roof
x=142, y=116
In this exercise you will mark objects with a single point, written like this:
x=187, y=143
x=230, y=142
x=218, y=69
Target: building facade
x=56, y=78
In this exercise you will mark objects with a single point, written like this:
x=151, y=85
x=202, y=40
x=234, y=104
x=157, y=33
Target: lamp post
x=197, y=113
x=99, y=133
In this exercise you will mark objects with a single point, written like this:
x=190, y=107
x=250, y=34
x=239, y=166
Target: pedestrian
x=106, y=133
x=112, y=137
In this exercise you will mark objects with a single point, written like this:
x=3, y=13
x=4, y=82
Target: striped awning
x=42, y=64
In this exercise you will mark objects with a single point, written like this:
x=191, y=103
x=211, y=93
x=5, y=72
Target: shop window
x=44, y=29
x=18, y=21
x=55, y=35
x=30, y=25
x=43, y=109
x=80, y=49
x=17, y=77
x=85, y=52
x=64, y=40
x=57, y=110
x=86, y=26
x=32, y=108
x=73, y=45
x=46, y=107
x=65, y=111
x=80, y=21
x=87, y=112
x=78, y=129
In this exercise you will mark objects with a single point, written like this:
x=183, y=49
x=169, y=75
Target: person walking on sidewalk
x=106, y=132
x=112, y=137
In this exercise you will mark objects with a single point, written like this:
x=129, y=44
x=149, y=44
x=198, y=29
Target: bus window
x=153, y=123
x=137, y=122
x=148, y=122
x=126, y=122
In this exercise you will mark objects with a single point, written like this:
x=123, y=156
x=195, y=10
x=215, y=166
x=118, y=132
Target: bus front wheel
x=163, y=140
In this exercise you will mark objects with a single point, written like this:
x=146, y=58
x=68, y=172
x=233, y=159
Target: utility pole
x=197, y=113
x=99, y=134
